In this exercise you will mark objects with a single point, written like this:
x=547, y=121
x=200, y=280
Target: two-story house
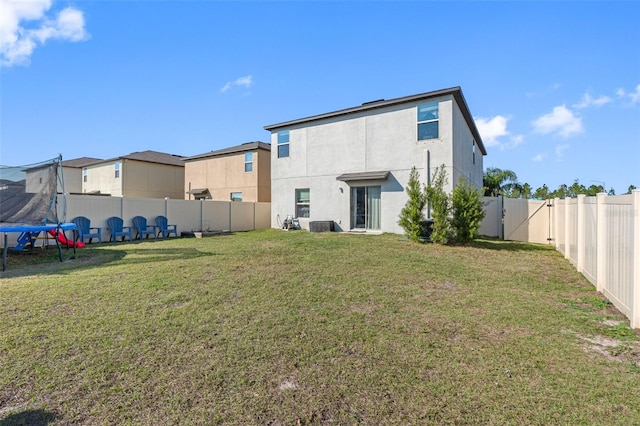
x=146, y=174
x=72, y=173
x=351, y=166
x=237, y=173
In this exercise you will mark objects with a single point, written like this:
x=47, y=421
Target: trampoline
x=32, y=201
x=32, y=231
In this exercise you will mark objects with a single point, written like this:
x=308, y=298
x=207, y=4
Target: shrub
x=466, y=203
x=440, y=207
x=412, y=214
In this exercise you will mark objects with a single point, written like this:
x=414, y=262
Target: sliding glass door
x=365, y=207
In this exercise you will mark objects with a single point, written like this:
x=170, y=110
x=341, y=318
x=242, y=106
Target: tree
x=440, y=208
x=631, y=188
x=412, y=214
x=466, y=203
x=542, y=193
x=499, y=182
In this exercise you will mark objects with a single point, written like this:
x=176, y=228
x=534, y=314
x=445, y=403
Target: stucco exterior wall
x=151, y=180
x=101, y=177
x=72, y=180
x=137, y=179
x=464, y=162
x=226, y=174
x=384, y=139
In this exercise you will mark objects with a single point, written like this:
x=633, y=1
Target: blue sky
x=554, y=86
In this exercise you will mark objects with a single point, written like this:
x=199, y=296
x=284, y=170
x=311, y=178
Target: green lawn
x=294, y=328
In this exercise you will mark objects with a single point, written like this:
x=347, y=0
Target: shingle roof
x=248, y=146
x=156, y=157
x=456, y=92
x=80, y=162
x=150, y=157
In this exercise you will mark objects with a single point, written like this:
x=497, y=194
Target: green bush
x=467, y=212
x=412, y=214
x=440, y=207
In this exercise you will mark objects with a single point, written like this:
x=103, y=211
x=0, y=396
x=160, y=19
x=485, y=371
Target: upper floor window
x=248, y=162
x=302, y=202
x=236, y=196
x=428, y=121
x=117, y=169
x=283, y=144
x=474, y=151
x=84, y=174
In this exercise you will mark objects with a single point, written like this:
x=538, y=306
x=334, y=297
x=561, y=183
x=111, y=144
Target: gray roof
x=456, y=92
x=80, y=162
x=245, y=147
x=151, y=157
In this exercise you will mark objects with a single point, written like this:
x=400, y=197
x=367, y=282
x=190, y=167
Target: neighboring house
x=72, y=173
x=351, y=166
x=147, y=174
x=238, y=173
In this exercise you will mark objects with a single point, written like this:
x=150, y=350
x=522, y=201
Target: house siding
x=151, y=180
x=101, y=177
x=381, y=139
x=225, y=174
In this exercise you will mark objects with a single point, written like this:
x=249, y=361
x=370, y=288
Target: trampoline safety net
x=29, y=194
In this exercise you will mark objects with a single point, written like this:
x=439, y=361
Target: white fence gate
x=599, y=235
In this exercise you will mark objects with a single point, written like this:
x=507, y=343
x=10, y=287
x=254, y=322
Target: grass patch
x=272, y=327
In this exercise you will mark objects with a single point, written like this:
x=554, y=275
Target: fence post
x=556, y=223
x=567, y=253
x=500, y=217
x=580, y=234
x=201, y=215
x=601, y=242
x=635, y=303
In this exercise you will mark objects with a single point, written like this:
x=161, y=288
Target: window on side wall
x=474, y=151
x=84, y=174
x=248, y=162
x=117, y=169
x=428, y=121
x=302, y=202
x=283, y=144
x=236, y=196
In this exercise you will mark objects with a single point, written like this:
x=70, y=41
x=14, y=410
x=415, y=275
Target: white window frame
x=248, y=165
x=431, y=120
x=282, y=135
x=303, y=204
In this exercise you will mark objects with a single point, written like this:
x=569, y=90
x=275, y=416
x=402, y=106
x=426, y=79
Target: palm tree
x=500, y=182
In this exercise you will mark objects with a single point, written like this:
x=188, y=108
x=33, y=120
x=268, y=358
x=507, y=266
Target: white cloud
x=588, y=101
x=560, y=121
x=491, y=129
x=17, y=42
x=538, y=157
x=516, y=140
x=560, y=149
x=246, y=81
x=634, y=97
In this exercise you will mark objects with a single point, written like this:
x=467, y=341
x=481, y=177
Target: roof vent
x=373, y=102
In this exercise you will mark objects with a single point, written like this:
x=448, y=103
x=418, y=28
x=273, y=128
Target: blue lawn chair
x=142, y=229
x=164, y=228
x=86, y=233
x=115, y=225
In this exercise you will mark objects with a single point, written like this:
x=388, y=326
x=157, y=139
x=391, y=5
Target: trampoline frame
x=5, y=228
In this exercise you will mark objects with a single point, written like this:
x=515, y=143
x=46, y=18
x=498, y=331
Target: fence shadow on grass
x=500, y=245
x=29, y=417
x=47, y=262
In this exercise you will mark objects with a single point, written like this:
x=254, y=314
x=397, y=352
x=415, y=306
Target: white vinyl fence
x=188, y=215
x=599, y=235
